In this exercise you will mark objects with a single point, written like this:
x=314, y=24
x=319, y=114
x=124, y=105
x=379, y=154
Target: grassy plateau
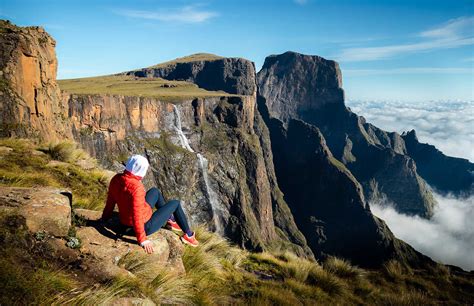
x=143, y=87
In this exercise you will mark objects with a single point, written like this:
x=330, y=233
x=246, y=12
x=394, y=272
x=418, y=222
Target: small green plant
x=73, y=242
x=41, y=235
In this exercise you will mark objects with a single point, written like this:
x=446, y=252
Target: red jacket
x=128, y=192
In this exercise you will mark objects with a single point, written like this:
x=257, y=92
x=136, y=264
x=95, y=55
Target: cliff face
x=309, y=88
x=232, y=75
x=210, y=152
x=326, y=200
x=30, y=103
x=444, y=173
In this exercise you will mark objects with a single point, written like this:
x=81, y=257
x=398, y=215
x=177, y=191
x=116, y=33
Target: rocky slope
x=444, y=173
x=309, y=88
x=210, y=152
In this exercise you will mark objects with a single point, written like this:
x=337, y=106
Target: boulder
x=45, y=209
x=107, y=243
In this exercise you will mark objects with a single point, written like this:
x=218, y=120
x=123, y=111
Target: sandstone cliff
x=309, y=88
x=30, y=103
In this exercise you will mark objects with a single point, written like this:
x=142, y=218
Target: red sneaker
x=173, y=226
x=190, y=240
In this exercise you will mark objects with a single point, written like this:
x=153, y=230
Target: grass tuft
x=327, y=281
x=342, y=268
x=65, y=151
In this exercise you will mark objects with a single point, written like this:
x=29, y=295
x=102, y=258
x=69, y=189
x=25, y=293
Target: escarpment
x=30, y=100
x=326, y=199
x=207, y=148
x=309, y=88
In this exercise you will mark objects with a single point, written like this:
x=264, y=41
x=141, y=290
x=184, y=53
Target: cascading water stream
x=177, y=126
x=202, y=164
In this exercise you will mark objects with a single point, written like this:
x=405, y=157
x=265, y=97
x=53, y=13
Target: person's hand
x=147, y=246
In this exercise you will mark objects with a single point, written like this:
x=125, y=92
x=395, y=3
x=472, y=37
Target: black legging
x=154, y=198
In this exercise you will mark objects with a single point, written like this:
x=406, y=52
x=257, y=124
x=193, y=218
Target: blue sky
x=388, y=50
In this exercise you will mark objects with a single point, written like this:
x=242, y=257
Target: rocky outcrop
x=309, y=88
x=326, y=200
x=109, y=244
x=46, y=210
x=30, y=102
x=444, y=173
x=101, y=250
x=232, y=75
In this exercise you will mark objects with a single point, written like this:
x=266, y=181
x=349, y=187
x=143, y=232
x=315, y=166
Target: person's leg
x=152, y=197
x=161, y=202
x=161, y=215
x=181, y=219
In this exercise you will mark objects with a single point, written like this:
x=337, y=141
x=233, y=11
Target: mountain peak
x=196, y=57
x=410, y=135
x=300, y=84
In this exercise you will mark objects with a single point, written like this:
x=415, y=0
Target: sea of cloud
x=449, y=125
x=448, y=237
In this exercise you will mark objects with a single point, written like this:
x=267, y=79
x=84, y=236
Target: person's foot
x=173, y=226
x=190, y=240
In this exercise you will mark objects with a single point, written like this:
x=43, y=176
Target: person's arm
x=138, y=202
x=109, y=205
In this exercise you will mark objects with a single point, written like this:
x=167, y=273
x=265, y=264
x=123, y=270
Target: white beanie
x=137, y=165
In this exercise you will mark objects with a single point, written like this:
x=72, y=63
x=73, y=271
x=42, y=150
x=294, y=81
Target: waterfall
x=211, y=195
x=177, y=126
x=202, y=164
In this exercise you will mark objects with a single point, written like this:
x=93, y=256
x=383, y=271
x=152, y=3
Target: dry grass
x=26, y=277
x=66, y=151
x=26, y=165
x=142, y=87
x=328, y=282
x=342, y=268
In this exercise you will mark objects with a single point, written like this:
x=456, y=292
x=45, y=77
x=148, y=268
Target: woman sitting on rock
x=136, y=208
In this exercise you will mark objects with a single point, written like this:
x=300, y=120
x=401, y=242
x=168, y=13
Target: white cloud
x=453, y=34
x=187, y=14
x=448, y=237
x=446, y=124
x=408, y=70
x=458, y=27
